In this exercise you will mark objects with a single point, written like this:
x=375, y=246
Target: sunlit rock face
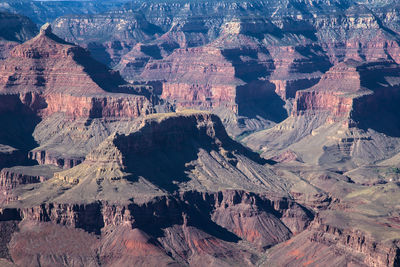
x=60, y=77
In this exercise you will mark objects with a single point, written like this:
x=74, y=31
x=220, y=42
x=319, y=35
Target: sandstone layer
x=46, y=76
x=242, y=208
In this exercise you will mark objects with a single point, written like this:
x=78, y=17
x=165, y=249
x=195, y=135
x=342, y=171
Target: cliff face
x=350, y=110
x=119, y=186
x=348, y=88
x=59, y=72
x=247, y=215
x=120, y=30
x=15, y=177
x=178, y=232
x=309, y=246
x=195, y=76
x=188, y=234
x=330, y=95
x=304, y=40
x=243, y=60
x=46, y=76
x=202, y=144
x=46, y=11
x=207, y=197
x=184, y=207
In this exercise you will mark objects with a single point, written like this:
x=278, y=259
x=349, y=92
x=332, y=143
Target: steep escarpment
x=372, y=84
x=14, y=177
x=185, y=207
x=191, y=81
x=334, y=116
x=45, y=11
x=118, y=186
x=217, y=203
x=228, y=74
x=202, y=144
x=108, y=36
x=188, y=228
x=54, y=68
x=348, y=228
x=266, y=51
x=56, y=77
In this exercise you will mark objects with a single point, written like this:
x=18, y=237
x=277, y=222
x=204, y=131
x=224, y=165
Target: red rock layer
x=195, y=77
x=250, y=216
x=337, y=105
x=297, y=68
x=112, y=105
x=53, y=158
x=324, y=244
x=375, y=253
x=348, y=88
x=50, y=75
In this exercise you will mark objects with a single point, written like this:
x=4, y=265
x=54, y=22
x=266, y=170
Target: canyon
x=218, y=133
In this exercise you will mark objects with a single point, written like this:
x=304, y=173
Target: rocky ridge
x=117, y=189
x=288, y=44
x=60, y=78
x=186, y=206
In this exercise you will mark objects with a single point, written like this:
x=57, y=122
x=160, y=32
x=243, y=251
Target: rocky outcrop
x=350, y=110
x=59, y=72
x=195, y=77
x=219, y=220
x=174, y=189
x=202, y=143
x=46, y=157
x=332, y=93
x=375, y=253
x=14, y=177
x=249, y=58
x=347, y=88
x=108, y=43
x=42, y=12
x=326, y=244
x=58, y=77
x=185, y=206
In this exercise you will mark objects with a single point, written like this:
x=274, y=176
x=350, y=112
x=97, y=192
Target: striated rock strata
x=57, y=77
x=179, y=211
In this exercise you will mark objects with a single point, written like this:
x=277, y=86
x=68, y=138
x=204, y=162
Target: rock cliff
x=121, y=183
x=240, y=208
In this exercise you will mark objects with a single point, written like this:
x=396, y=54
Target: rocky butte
x=46, y=77
x=233, y=57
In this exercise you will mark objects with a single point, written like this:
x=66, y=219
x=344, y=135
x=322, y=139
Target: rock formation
x=118, y=185
x=271, y=50
x=46, y=76
x=57, y=71
x=99, y=171
x=349, y=111
x=41, y=12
